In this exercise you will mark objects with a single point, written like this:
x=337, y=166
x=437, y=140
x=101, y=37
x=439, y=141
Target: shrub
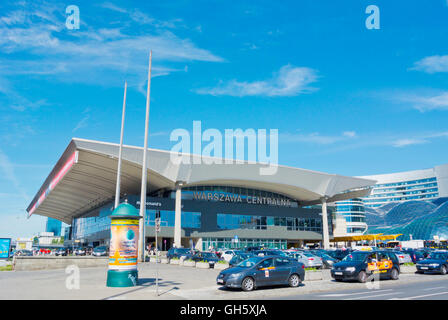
x=175, y=258
x=222, y=261
x=409, y=264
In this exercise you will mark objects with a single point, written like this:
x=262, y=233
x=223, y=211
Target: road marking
x=423, y=296
x=376, y=295
x=433, y=288
x=353, y=293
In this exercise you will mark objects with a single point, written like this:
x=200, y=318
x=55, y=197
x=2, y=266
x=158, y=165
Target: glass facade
x=242, y=243
x=237, y=221
x=402, y=191
x=54, y=226
x=354, y=213
x=420, y=220
x=188, y=219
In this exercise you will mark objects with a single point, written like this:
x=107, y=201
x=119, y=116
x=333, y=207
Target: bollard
x=123, y=247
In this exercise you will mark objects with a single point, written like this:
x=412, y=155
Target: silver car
x=309, y=260
x=403, y=257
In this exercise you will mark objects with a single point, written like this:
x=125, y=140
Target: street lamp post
x=144, y=171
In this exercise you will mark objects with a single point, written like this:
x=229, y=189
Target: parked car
x=327, y=261
x=80, y=251
x=416, y=255
x=254, y=248
x=262, y=271
x=229, y=254
x=239, y=258
x=435, y=262
x=24, y=253
x=101, y=251
x=269, y=252
x=359, y=265
x=308, y=259
x=178, y=253
x=338, y=254
x=403, y=257
x=60, y=252
x=209, y=257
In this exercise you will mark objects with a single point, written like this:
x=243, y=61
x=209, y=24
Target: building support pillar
x=325, y=233
x=177, y=216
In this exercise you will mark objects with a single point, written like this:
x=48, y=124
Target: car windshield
x=355, y=256
x=100, y=249
x=438, y=256
x=249, y=263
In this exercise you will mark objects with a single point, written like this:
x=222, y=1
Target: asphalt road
x=185, y=283
x=435, y=288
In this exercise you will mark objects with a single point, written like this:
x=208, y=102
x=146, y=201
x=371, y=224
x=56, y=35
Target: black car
x=435, y=262
x=338, y=254
x=359, y=265
x=178, y=253
x=209, y=257
x=262, y=271
x=61, y=252
x=239, y=258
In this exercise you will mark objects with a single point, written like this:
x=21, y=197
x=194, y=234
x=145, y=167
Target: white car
x=229, y=254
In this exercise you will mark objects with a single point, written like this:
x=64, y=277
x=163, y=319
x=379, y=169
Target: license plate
x=338, y=273
x=424, y=268
x=220, y=281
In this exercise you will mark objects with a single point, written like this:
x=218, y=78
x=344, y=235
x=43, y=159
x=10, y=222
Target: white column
x=177, y=218
x=325, y=233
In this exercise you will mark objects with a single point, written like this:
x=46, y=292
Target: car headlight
x=234, y=275
x=350, y=269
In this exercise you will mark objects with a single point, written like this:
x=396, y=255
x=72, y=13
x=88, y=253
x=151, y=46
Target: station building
x=219, y=205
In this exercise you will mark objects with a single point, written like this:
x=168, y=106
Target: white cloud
x=408, y=142
x=91, y=55
x=426, y=102
x=432, y=64
x=289, y=81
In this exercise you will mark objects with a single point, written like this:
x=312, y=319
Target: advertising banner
x=5, y=247
x=123, y=244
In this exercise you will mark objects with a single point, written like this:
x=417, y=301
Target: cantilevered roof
x=85, y=176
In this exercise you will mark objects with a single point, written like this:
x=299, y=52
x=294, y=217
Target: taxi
x=360, y=265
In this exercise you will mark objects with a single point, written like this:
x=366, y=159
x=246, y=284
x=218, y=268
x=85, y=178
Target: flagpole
x=144, y=171
x=117, y=189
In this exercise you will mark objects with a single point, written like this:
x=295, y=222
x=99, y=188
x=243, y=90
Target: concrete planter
x=408, y=269
x=164, y=261
x=152, y=259
x=221, y=266
x=313, y=275
x=188, y=263
x=202, y=265
x=174, y=261
x=52, y=262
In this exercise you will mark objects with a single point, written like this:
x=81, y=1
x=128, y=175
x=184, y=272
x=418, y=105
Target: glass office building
x=54, y=226
x=406, y=202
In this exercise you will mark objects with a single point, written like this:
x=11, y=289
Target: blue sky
x=345, y=99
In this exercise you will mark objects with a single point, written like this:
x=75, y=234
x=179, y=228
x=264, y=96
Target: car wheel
x=394, y=274
x=338, y=280
x=294, y=280
x=248, y=284
x=362, y=277
x=443, y=270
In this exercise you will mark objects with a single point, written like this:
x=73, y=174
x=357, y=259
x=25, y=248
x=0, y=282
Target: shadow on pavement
x=144, y=283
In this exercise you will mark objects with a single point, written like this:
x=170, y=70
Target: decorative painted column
x=123, y=246
x=177, y=216
x=325, y=233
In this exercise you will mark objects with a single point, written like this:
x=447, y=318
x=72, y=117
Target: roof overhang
x=85, y=178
